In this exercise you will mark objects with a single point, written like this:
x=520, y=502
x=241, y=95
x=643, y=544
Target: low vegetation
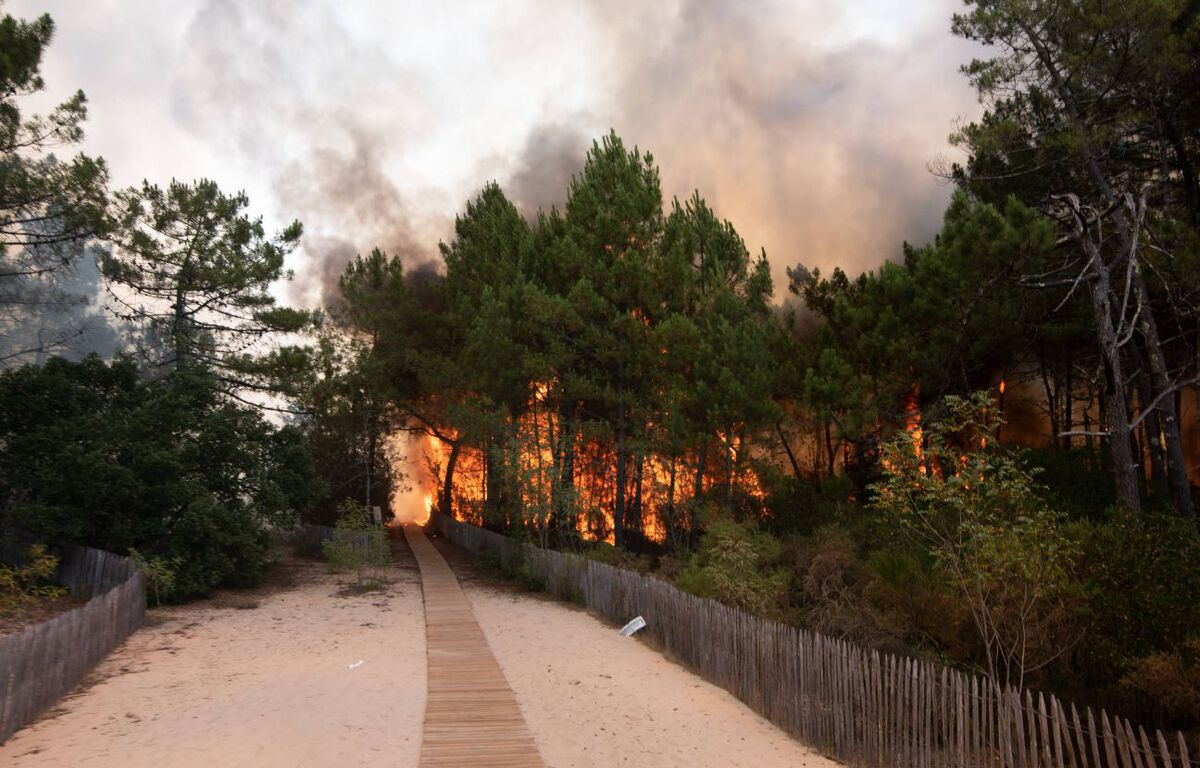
x=358, y=545
x=28, y=586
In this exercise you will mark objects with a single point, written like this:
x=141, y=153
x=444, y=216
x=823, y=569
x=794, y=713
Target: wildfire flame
x=532, y=457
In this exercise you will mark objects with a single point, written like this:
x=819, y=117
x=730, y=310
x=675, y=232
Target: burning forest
x=978, y=450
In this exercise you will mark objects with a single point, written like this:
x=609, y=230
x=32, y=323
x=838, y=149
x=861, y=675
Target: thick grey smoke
x=325, y=135
x=813, y=140
x=542, y=171
x=368, y=208
x=818, y=152
x=57, y=313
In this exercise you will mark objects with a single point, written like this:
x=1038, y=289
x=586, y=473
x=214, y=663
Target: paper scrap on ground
x=633, y=626
x=356, y=664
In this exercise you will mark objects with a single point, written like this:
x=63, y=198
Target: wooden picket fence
x=856, y=705
x=308, y=540
x=40, y=664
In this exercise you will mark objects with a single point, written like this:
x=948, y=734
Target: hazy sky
x=809, y=124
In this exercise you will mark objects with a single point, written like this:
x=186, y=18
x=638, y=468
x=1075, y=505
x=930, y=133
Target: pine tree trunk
x=670, y=522
x=698, y=490
x=493, y=497
x=619, y=507
x=1051, y=391
x=1181, y=491
x=1068, y=417
x=636, y=520
x=829, y=449
x=445, y=505
x=729, y=468
x=1152, y=439
x=565, y=472
x=788, y=450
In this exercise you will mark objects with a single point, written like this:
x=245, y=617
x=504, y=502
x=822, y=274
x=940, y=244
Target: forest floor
x=264, y=678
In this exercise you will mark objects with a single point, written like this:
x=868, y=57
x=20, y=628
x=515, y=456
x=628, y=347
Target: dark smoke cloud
x=819, y=155
x=246, y=75
x=552, y=154
x=425, y=282
x=817, y=150
x=369, y=208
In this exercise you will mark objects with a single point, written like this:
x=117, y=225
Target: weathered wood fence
x=45, y=661
x=856, y=705
x=307, y=540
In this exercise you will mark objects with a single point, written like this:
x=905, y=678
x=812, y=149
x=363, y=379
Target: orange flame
x=533, y=460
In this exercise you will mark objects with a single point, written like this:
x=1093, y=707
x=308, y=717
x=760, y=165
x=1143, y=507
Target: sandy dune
x=263, y=680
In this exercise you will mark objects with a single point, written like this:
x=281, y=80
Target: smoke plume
x=816, y=150
x=812, y=135
x=325, y=138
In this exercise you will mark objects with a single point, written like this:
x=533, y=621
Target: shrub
x=738, y=564
x=1172, y=681
x=1142, y=586
x=158, y=572
x=603, y=552
x=24, y=587
x=91, y=453
x=358, y=545
x=974, y=506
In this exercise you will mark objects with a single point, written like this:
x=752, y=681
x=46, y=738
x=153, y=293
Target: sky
x=811, y=125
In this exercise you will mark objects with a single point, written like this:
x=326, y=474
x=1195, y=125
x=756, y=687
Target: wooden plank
x=1092, y=736
x=1164, y=750
x=471, y=713
x=1134, y=749
x=1110, y=745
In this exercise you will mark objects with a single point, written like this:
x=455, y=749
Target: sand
x=594, y=698
x=221, y=683
x=262, y=679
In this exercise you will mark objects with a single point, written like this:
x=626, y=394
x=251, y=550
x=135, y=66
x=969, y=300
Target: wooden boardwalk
x=471, y=714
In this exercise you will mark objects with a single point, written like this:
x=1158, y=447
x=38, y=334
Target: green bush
x=1069, y=481
x=1171, y=680
x=358, y=544
x=974, y=506
x=25, y=587
x=158, y=572
x=738, y=564
x=603, y=552
x=92, y=454
x=1142, y=585
x=799, y=506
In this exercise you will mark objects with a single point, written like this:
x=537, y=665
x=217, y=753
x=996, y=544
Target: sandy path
x=594, y=698
x=210, y=684
x=266, y=685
